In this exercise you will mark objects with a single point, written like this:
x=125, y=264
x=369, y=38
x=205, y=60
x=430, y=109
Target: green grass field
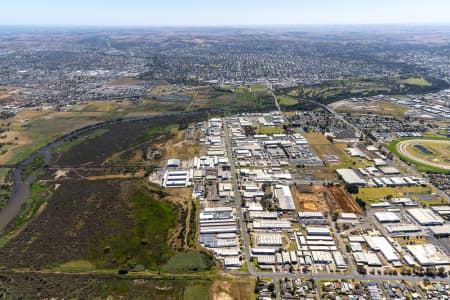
x=187, y=262
x=196, y=292
x=259, y=88
x=287, y=101
x=379, y=107
x=39, y=194
x=439, y=152
x=333, y=90
x=322, y=146
x=144, y=246
x=34, y=165
x=269, y=130
x=64, y=147
x=420, y=166
x=76, y=266
x=416, y=81
x=238, y=98
x=374, y=195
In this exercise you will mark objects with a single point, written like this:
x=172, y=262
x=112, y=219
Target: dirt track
x=402, y=149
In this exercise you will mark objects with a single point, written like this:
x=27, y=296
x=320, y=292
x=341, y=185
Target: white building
x=428, y=255
x=387, y=217
x=425, y=216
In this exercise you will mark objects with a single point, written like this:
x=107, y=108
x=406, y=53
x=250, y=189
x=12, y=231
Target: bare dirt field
x=125, y=81
x=374, y=106
x=344, y=200
x=311, y=198
x=232, y=289
x=325, y=199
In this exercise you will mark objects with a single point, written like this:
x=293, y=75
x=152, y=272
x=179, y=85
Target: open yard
x=322, y=147
x=233, y=99
x=310, y=198
x=230, y=289
x=373, y=195
x=376, y=106
x=324, y=199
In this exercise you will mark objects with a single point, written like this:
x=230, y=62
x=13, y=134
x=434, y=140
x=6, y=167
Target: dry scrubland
x=108, y=225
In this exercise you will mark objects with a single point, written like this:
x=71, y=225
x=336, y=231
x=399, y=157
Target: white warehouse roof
x=428, y=255
x=425, y=216
x=386, y=217
x=350, y=177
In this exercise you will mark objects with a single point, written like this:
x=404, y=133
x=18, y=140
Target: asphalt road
x=242, y=223
x=275, y=276
x=410, y=169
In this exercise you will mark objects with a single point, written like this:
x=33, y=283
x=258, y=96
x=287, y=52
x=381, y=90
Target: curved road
x=402, y=149
x=411, y=170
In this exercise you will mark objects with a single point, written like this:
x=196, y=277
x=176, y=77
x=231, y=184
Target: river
x=21, y=187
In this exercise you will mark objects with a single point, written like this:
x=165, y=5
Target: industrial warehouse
x=239, y=165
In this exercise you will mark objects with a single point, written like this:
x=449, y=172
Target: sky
x=221, y=13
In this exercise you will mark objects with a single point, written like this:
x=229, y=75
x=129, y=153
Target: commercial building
x=349, y=216
x=269, y=239
x=403, y=229
x=387, y=217
x=178, y=178
x=284, y=197
x=339, y=260
x=310, y=215
x=232, y=262
x=380, y=243
x=367, y=258
x=273, y=215
x=314, y=230
x=425, y=216
x=263, y=251
x=351, y=178
x=428, y=255
x=266, y=259
x=441, y=230
x=442, y=210
x=272, y=224
x=174, y=163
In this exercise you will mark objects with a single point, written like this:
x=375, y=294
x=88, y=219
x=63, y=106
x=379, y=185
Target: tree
x=123, y=269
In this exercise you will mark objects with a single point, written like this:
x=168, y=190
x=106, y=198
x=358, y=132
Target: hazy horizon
x=201, y=13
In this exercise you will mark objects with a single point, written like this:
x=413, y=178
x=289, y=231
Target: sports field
x=433, y=153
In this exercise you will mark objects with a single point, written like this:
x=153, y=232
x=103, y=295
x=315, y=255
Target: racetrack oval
x=416, y=150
